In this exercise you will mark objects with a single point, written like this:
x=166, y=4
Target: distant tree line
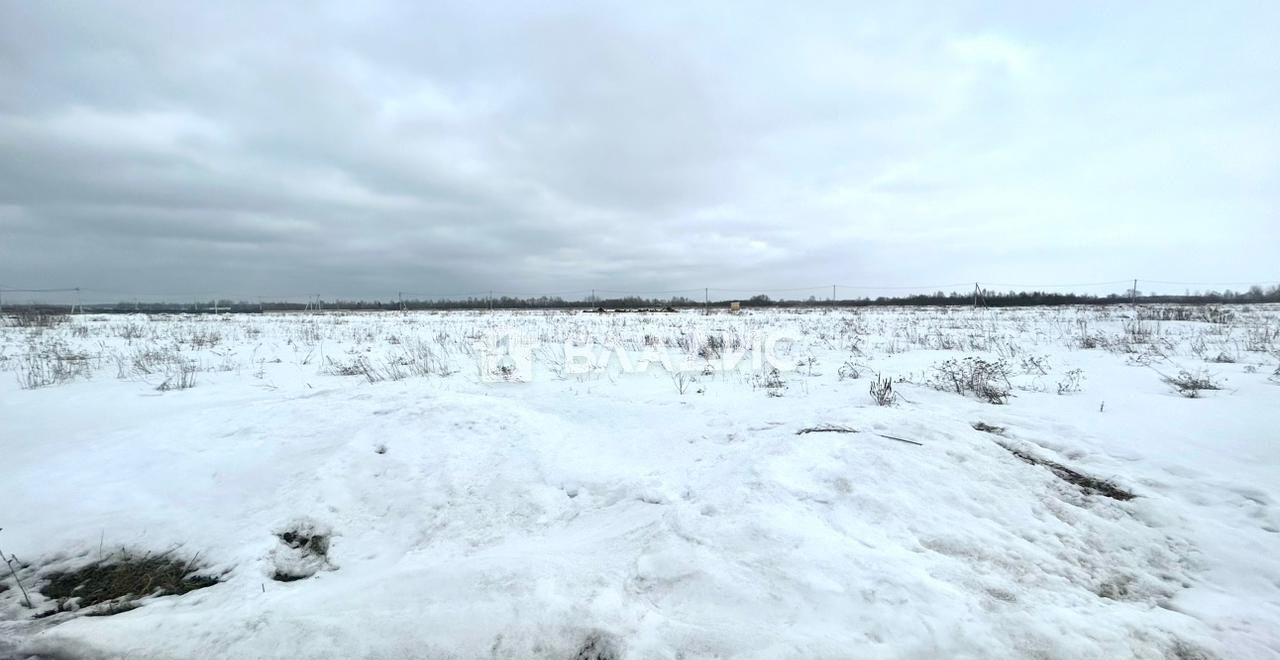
x=987, y=298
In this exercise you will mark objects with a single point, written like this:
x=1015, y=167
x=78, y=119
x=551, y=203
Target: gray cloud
x=359, y=149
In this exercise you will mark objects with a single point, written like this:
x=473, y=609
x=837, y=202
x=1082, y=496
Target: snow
x=519, y=515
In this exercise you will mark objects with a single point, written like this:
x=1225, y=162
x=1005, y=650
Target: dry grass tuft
x=120, y=580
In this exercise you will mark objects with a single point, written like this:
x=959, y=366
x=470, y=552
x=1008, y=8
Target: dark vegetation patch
x=826, y=428
x=1191, y=385
x=310, y=542
x=1117, y=588
x=987, y=428
x=836, y=428
x=1181, y=650
x=638, y=310
x=1084, y=482
x=120, y=580
x=597, y=646
x=304, y=551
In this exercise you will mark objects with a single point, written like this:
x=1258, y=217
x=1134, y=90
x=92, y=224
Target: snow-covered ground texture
x=578, y=486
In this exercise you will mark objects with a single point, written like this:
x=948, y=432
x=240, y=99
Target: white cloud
x=1002, y=52
x=631, y=146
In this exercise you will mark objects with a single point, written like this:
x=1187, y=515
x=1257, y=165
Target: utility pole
x=976, y=290
x=833, y=296
x=706, y=301
x=491, y=300
x=1133, y=294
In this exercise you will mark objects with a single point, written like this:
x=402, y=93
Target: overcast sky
x=358, y=149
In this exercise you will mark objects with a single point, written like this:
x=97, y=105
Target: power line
x=799, y=288
x=1255, y=282
x=1059, y=286
x=648, y=292
x=835, y=291
x=481, y=294
x=195, y=294
x=867, y=287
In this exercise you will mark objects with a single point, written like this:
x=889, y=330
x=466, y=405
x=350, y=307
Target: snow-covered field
x=574, y=486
